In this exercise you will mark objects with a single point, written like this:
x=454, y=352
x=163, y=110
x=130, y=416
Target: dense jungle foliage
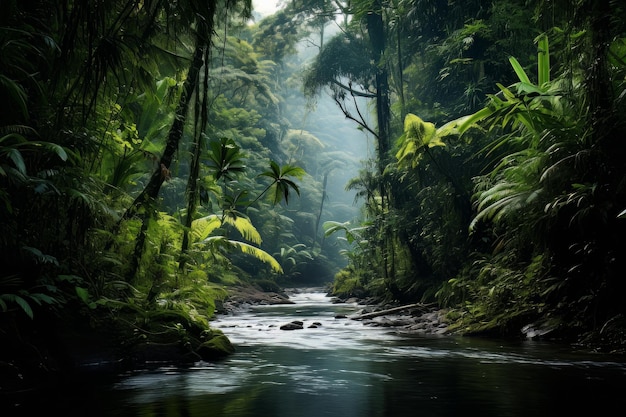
x=154, y=153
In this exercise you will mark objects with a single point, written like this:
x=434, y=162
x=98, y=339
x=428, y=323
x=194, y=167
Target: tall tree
x=202, y=17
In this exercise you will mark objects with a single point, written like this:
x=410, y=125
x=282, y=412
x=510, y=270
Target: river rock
x=411, y=320
x=294, y=325
x=241, y=298
x=217, y=347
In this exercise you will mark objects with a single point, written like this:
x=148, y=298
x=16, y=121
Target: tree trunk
x=321, y=210
x=146, y=200
x=161, y=173
x=198, y=146
x=376, y=31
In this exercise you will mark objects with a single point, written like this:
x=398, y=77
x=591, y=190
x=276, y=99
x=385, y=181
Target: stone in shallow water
x=294, y=325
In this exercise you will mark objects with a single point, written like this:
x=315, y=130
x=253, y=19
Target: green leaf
x=259, y=254
x=217, y=241
x=16, y=157
x=83, y=294
x=201, y=228
x=24, y=305
x=225, y=158
x=418, y=136
x=521, y=74
x=466, y=122
x=58, y=149
x=245, y=228
x=280, y=181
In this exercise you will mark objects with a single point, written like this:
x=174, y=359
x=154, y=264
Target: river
x=344, y=368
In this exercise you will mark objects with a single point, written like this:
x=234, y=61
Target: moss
x=219, y=346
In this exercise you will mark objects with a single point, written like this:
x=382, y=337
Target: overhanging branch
x=353, y=91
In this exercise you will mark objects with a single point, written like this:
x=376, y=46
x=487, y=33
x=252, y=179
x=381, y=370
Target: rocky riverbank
x=414, y=318
x=241, y=298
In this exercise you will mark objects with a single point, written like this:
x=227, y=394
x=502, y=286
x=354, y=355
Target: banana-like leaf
x=465, y=122
x=16, y=157
x=352, y=234
x=418, y=135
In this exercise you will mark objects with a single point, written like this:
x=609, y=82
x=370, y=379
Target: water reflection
x=346, y=369
x=283, y=382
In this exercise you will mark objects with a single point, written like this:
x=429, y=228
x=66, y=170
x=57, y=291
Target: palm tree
x=225, y=161
x=281, y=182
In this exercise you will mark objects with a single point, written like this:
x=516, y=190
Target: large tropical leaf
x=202, y=228
x=418, y=136
x=221, y=241
x=352, y=233
x=244, y=227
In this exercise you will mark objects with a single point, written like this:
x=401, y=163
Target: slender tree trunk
x=400, y=71
x=194, y=170
x=319, y=214
x=161, y=173
x=376, y=31
x=146, y=200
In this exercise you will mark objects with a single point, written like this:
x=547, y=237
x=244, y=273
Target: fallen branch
x=389, y=311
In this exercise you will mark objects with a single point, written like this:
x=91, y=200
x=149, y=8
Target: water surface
x=345, y=368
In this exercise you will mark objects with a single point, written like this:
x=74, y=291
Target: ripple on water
x=343, y=365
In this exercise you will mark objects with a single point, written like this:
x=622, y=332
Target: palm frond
x=244, y=227
x=202, y=228
x=220, y=241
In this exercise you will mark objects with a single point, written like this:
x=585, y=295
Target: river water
x=347, y=369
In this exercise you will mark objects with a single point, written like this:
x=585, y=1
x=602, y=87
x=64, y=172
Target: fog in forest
x=157, y=157
x=347, y=148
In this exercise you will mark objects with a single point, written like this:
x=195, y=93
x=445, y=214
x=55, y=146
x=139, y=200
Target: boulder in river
x=217, y=347
x=294, y=325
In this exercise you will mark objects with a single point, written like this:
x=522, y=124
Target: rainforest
x=157, y=155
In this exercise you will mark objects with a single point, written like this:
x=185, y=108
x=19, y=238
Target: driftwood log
x=389, y=311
